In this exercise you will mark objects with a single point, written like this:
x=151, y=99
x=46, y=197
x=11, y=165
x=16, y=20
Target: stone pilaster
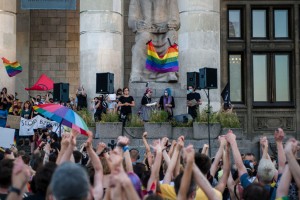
x=7, y=40
x=199, y=41
x=101, y=42
x=23, y=51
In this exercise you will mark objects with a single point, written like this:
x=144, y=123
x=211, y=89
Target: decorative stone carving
x=156, y=20
x=271, y=123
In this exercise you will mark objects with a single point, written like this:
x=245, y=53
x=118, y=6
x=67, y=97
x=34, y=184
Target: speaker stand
x=208, y=120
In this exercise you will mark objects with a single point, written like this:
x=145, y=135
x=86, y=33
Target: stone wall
x=54, y=46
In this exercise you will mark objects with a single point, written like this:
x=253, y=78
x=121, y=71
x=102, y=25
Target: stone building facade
x=72, y=46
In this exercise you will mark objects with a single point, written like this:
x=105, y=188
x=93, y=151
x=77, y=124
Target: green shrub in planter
x=182, y=124
x=109, y=117
x=159, y=116
x=135, y=121
x=229, y=120
x=87, y=117
x=203, y=116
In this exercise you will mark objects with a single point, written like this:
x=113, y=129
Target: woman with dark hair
x=98, y=109
x=146, y=105
x=166, y=102
x=26, y=110
x=125, y=102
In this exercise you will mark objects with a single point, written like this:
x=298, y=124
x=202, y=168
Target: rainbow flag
x=13, y=68
x=162, y=64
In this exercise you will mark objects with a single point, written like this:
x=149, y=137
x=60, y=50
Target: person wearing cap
x=146, y=105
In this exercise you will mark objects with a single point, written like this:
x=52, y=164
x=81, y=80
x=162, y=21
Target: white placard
x=7, y=136
x=27, y=125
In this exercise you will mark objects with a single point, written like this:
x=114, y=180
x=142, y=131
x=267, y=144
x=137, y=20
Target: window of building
x=271, y=78
x=281, y=23
x=234, y=23
x=259, y=23
x=235, y=77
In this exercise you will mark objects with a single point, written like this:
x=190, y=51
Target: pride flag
x=162, y=64
x=13, y=68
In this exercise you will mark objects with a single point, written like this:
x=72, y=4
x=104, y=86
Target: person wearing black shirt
x=81, y=98
x=125, y=102
x=193, y=101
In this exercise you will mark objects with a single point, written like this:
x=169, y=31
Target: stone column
x=101, y=42
x=23, y=50
x=199, y=41
x=7, y=41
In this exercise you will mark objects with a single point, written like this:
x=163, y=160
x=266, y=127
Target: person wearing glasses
x=193, y=101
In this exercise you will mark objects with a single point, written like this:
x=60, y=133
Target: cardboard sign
x=13, y=121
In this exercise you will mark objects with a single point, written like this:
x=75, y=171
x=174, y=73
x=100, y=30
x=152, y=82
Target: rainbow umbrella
x=62, y=115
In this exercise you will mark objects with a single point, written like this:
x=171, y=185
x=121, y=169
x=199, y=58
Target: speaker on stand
x=104, y=83
x=208, y=80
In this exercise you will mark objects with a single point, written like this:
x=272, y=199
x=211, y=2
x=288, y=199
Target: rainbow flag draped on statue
x=162, y=64
x=12, y=68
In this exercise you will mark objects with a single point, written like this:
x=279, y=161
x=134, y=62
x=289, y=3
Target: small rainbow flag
x=13, y=68
x=162, y=64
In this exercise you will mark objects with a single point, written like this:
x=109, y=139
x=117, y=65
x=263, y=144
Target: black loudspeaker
x=61, y=92
x=192, y=79
x=104, y=83
x=184, y=118
x=208, y=78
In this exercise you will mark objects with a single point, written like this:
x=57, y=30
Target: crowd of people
x=56, y=169
x=168, y=170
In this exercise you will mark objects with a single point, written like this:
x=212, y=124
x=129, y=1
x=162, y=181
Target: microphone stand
x=208, y=119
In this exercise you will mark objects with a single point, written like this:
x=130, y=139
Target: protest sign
x=7, y=136
x=13, y=121
x=27, y=125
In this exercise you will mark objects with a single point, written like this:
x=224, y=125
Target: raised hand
x=189, y=154
x=65, y=141
x=20, y=174
x=100, y=147
x=157, y=145
x=230, y=137
x=180, y=143
x=122, y=141
x=222, y=140
x=74, y=135
x=264, y=142
x=89, y=141
x=164, y=142
x=291, y=146
x=145, y=135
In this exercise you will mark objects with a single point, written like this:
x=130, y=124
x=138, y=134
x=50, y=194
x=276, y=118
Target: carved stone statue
x=156, y=20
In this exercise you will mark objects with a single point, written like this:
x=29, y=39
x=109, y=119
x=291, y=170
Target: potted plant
x=200, y=125
x=230, y=120
x=109, y=126
x=158, y=125
x=135, y=127
x=182, y=128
